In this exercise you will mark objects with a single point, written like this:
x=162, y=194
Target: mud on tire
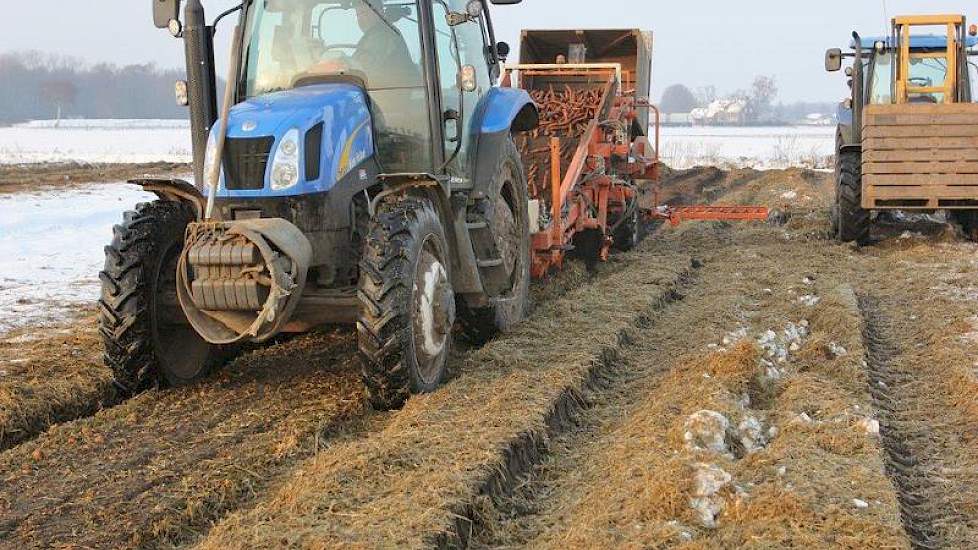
x=147, y=341
x=479, y=325
x=850, y=221
x=404, y=236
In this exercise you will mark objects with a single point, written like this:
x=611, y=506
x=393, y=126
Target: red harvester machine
x=592, y=170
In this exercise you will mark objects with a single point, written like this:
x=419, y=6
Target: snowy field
x=111, y=141
x=132, y=141
x=762, y=148
x=51, y=249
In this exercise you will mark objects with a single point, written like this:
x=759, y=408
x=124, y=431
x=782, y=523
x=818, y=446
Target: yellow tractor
x=908, y=136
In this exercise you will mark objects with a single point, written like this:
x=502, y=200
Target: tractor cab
x=926, y=73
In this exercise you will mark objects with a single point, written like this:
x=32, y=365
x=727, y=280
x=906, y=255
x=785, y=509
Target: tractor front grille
x=245, y=161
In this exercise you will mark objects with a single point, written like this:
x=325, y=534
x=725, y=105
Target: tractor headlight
x=285, y=165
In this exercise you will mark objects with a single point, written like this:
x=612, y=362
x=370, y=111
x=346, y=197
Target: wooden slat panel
x=921, y=155
x=929, y=180
x=920, y=168
x=921, y=109
x=914, y=144
x=922, y=119
x=923, y=130
x=910, y=192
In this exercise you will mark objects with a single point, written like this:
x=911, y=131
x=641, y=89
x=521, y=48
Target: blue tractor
x=361, y=170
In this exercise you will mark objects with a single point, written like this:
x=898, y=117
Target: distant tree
x=762, y=95
x=706, y=94
x=678, y=99
x=60, y=93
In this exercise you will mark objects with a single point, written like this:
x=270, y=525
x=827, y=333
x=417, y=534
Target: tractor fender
x=174, y=190
x=508, y=110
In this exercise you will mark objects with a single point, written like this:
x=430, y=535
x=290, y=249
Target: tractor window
x=881, y=91
x=378, y=41
x=928, y=72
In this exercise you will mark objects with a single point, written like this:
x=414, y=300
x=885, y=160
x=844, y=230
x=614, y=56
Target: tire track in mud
x=913, y=452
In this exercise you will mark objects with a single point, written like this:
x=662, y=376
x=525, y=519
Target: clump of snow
x=708, y=481
x=734, y=337
x=789, y=195
x=870, y=425
x=809, y=300
x=860, y=504
x=707, y=431
x=752, y=434
x=836, y=351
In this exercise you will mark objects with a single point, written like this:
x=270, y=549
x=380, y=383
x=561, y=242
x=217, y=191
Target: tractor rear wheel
x=407, y=305
x=968, y=220
x=148, y=341
x=851, y=220
x=510, y=226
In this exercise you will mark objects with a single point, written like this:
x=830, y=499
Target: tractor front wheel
x=407, y=305
x=851, y=222
x=147, y=339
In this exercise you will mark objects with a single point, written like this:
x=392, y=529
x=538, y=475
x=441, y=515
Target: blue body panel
x=918, y=42
x=502, y=106
x=347, y=132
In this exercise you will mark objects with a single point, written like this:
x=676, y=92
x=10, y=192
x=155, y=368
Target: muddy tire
x=968, y=220
x=851, y=222
x=147, y=340
x=407, y=305
x=511, y=228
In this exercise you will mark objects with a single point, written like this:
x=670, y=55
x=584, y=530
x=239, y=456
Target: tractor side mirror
x=505, y=2
x=502, y=51
x=833, y=60
x=165, y=11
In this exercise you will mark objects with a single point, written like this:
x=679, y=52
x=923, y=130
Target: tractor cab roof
x=917, y=42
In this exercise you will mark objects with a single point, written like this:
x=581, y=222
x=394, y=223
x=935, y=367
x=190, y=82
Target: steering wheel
x=352, y=47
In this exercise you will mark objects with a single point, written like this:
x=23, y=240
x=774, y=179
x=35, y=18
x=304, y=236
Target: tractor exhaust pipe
x=201, y=82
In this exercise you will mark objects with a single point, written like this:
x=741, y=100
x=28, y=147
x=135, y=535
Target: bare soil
x=576, y=429
x=32, y=177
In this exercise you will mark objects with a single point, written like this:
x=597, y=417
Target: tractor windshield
x=925, y=72
x=288, y=41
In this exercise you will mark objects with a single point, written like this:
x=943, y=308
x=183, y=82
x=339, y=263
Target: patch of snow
x=112, y=141
x=836, y=351
x=752, y=434
x=708, y=481
x=707, y=431
x=789, y=195
x=809, y=300
x=860, y=504
x=51, y=243
x=870, y=425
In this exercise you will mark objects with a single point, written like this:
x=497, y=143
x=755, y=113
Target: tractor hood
x=328, y=125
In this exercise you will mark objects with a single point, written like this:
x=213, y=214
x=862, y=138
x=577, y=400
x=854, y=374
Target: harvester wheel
x=851, y=220
x=511, y=229
x=147, y=339
x=628, y=234
x=407, y=305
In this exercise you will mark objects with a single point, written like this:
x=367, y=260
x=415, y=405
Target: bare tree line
x=34, y=85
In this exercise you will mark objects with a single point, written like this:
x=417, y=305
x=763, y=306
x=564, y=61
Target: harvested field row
x=158, y=469
x=419, y=480
x=51, y=378
x=722, y=434
x=164, y=466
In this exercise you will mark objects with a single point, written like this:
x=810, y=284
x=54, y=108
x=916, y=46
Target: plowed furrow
x=911, y=440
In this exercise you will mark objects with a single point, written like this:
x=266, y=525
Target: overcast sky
x=698, y=42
